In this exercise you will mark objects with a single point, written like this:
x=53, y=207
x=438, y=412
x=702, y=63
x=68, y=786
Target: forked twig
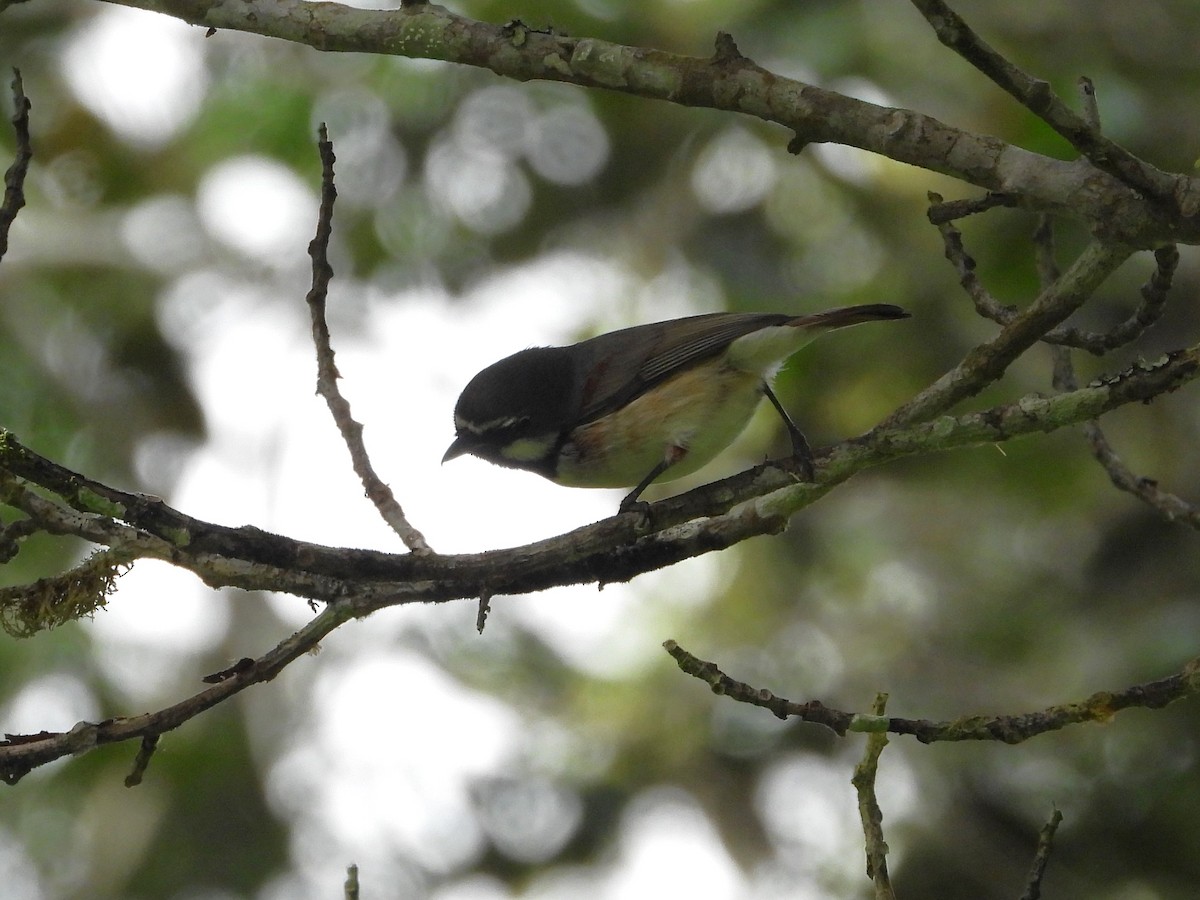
x=869, y=810
x=327, y=374
x=1149, y=310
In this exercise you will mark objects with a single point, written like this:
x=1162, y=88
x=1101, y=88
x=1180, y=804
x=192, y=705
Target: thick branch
x=616, y=549
x=727, y=81
x=1036, y=95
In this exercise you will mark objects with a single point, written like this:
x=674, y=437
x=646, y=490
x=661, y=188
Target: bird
x=645, y=404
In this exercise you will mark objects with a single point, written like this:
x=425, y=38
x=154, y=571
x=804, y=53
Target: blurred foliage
x=990, y=580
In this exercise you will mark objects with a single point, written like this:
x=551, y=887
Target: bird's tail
x=763, y=350
x=844, y=316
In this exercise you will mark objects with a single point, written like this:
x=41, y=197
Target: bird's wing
x=625, y=364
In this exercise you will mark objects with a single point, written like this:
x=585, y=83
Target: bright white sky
x=386, y=767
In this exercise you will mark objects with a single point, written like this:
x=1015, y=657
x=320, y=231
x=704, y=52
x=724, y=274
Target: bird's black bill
x=462, y=444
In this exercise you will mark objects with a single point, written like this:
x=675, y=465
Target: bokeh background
x=153, y=334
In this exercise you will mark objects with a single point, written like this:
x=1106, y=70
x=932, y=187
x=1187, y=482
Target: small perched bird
x=649, y=403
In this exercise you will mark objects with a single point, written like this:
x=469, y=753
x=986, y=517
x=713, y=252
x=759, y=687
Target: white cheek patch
x=528, y=449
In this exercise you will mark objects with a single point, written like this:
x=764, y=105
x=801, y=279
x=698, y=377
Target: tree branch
x=327, y=374
x=14, y=177
x=987, y=362
x=868, y=807
x=1033, y=885
x=1099, y=707
x=1154, y=292
x=355, y=582
x=727, y=81
x=1038, y=97
x=20, y=754
x=1170, y=506
x=709, y=518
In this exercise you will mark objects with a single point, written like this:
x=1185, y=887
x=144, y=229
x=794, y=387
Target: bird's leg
x=673, y=455
x=802, y=455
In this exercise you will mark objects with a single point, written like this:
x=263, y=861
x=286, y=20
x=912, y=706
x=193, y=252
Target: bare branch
x=1170, y=506
x=1033, y=885
x=988, y=361
x=701, y=521
x=964, y=264
x=142, y=761
x=14, y=177
x=12, y=535
x=729, y=82
x=1040, y=99
x=868, y=806
x=327, y=374
x=1089, y=103
x=941, y=211
x=21, y=754
x=1154, y=292
x=1099, y=707
x=1154, y=298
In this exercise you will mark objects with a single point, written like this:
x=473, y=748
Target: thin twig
x=20, y=754
x=14, y=178
x=1088, y=102
x=1038, y=97
x=327, y=374
x=1044, y=257
x=1153, y=303
x=988, y=361
x=868, y=806
x=1154, y=292
x=941, y=210
x=964, y=264
x=1100, y=707
x=1033, y=885
x=142, y=760
x=13, y=535
x=1170, y=506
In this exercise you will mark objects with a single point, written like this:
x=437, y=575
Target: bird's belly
x=700, y=411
